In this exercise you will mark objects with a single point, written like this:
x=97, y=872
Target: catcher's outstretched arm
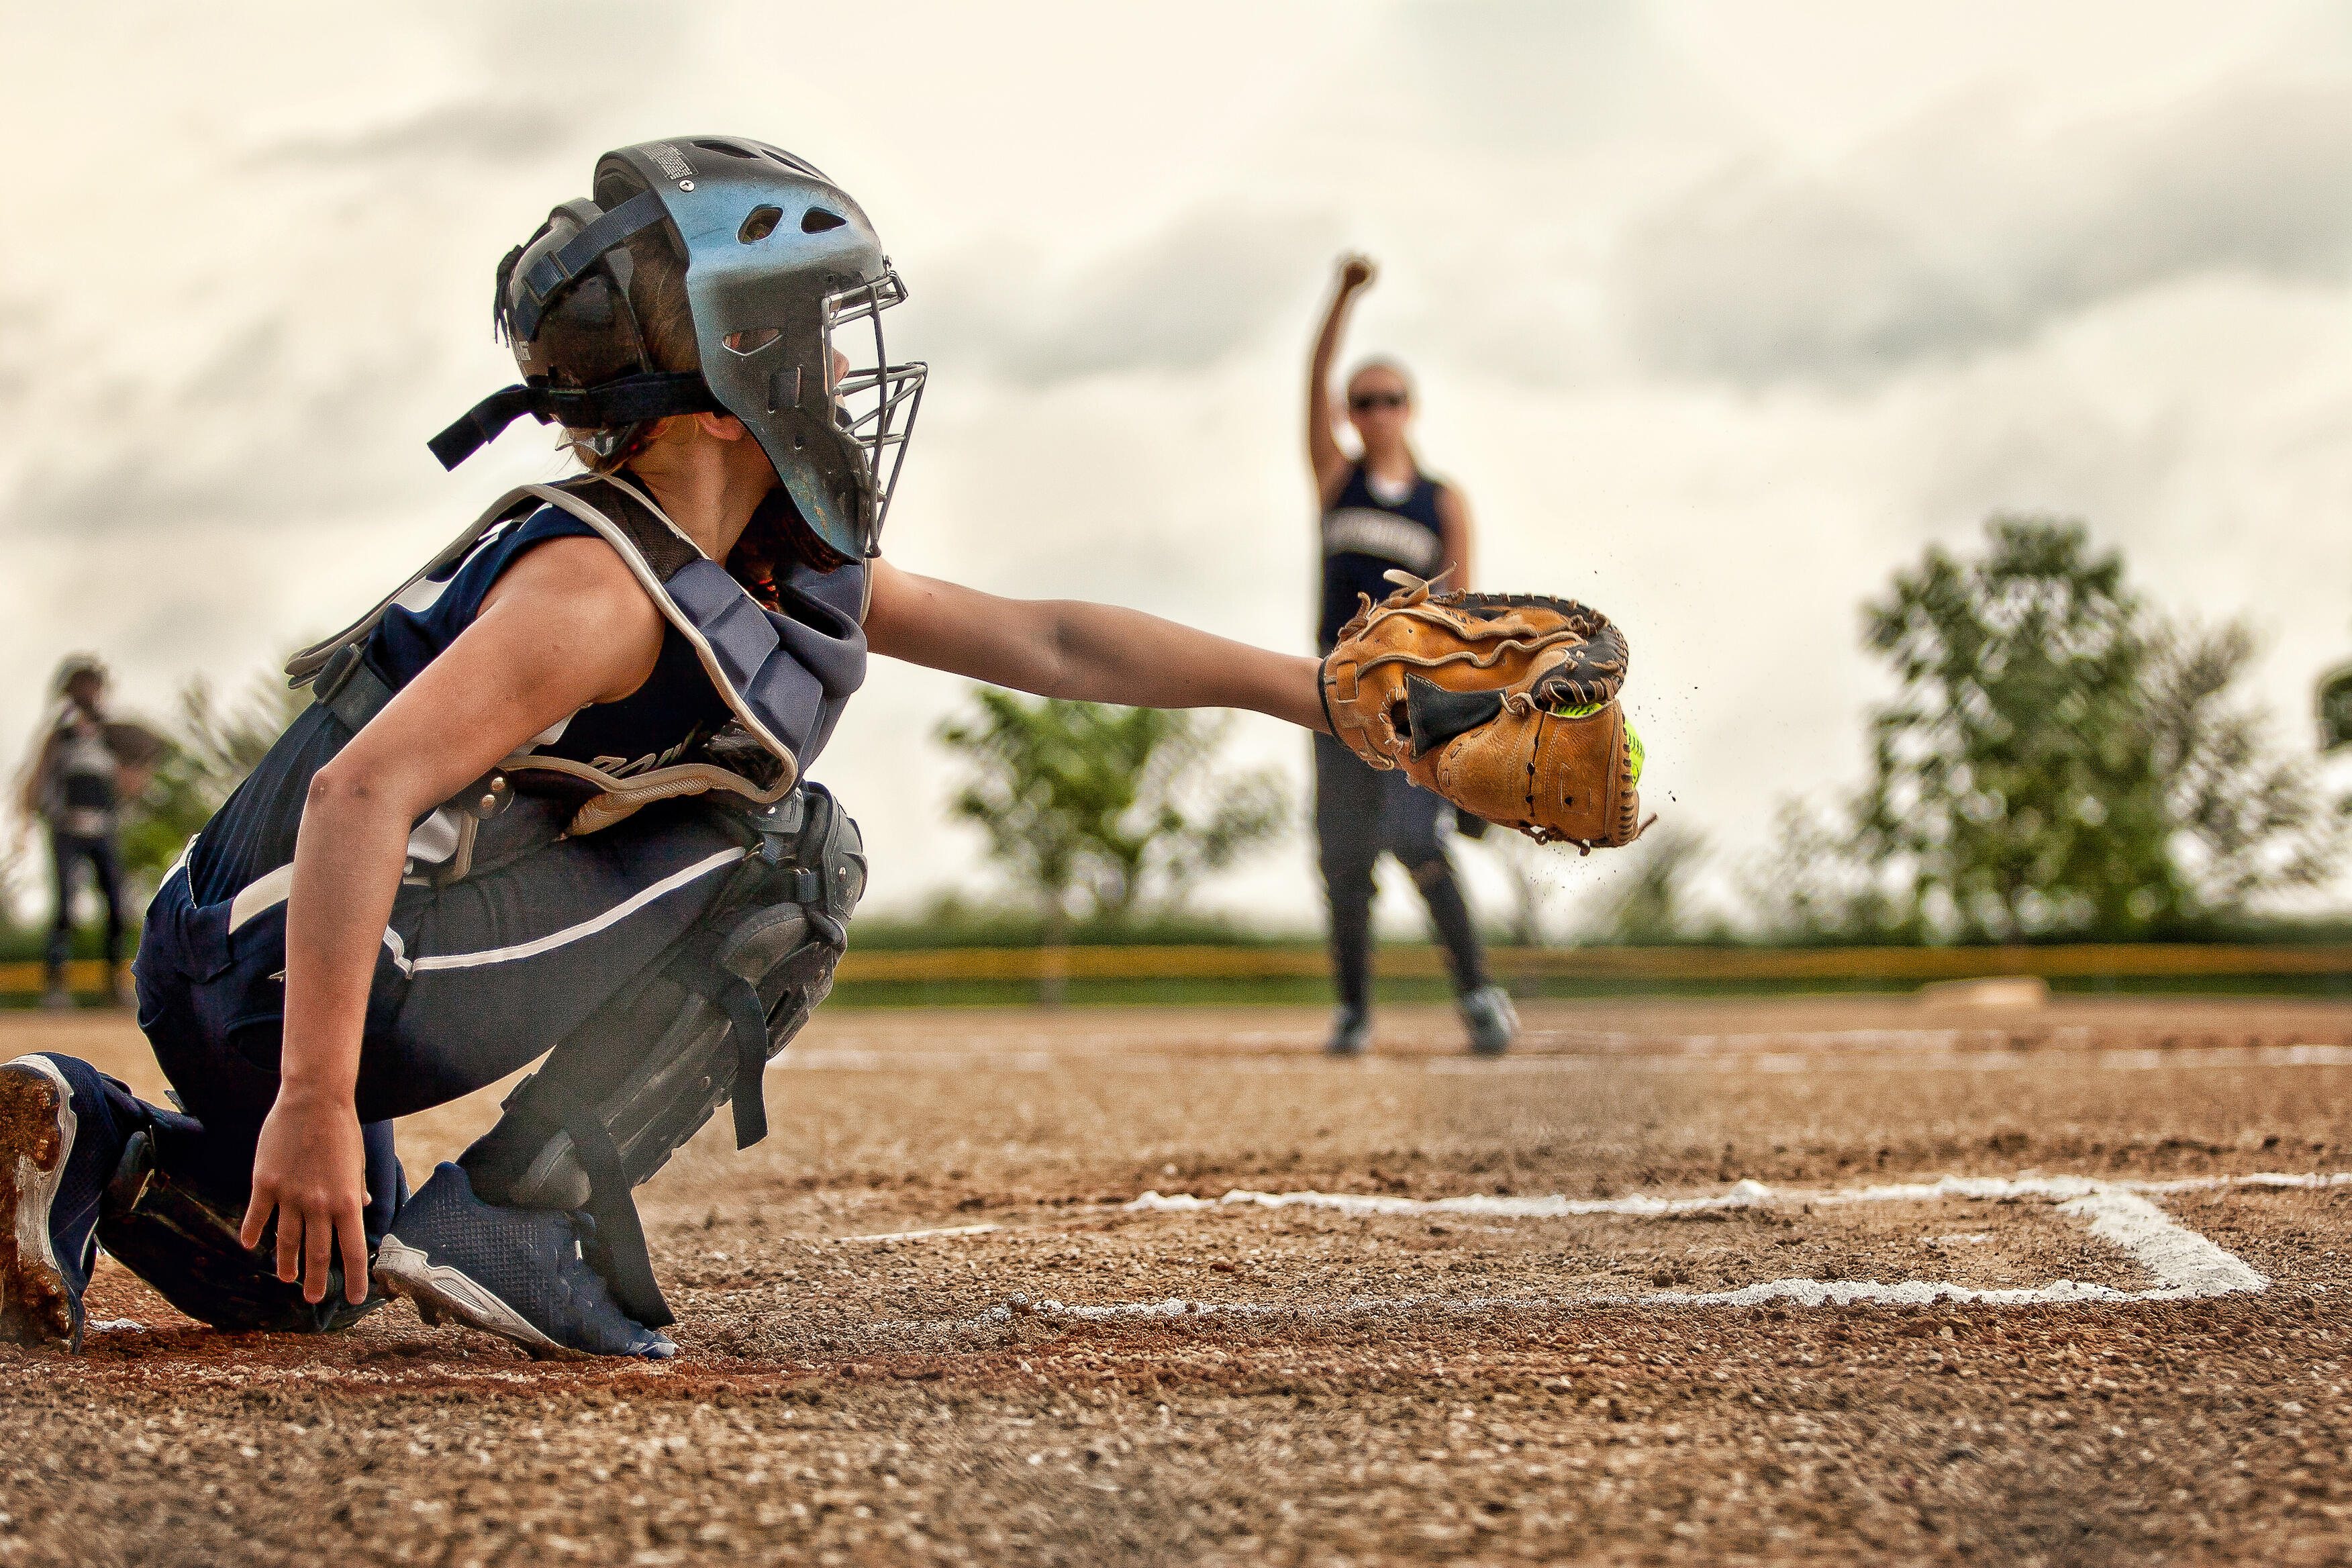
x=1095, y=653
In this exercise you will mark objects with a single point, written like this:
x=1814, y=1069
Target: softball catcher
x=550, y=803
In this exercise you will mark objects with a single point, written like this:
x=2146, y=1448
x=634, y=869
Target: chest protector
x=784, y=675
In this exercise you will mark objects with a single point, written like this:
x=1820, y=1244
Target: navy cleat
x=54, y=1159
x=520, y=1274
x=1492, y=1021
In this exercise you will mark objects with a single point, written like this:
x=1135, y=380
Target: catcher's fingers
x=256, y=1217
x=307, y=1233
x=352, y=1235
x=319, y=1229
x=289, y=1242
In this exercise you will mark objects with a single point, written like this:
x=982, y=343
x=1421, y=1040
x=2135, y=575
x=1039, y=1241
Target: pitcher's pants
x=1361, y=813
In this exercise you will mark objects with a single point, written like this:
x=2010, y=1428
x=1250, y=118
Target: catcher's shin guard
x=615, y=1100
x=186, y=1247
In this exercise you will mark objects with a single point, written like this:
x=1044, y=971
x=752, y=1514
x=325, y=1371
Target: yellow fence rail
x=1677, y=964
x=1777, y=965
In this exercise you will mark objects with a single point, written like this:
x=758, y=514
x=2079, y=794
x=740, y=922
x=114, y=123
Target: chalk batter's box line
x=2185, y=1265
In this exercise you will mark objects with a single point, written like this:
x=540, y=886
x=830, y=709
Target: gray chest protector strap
x=617, y=1097
x=784, y=677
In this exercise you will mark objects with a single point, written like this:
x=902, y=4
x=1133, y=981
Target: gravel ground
x=936, y=1317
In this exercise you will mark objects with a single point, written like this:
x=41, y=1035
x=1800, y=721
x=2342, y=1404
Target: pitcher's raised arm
x=1324, y=458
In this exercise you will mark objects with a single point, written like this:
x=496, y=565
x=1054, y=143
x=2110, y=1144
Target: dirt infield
x=1813, y=1279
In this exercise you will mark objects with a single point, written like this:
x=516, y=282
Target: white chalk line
x=1741, y=1195
x=2185, y=1265
x=925, y=1235
x=1942, y=1050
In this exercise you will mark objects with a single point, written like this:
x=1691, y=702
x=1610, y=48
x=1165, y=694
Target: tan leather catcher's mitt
x=1505, y=705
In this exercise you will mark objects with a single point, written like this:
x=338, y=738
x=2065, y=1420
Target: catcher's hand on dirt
x=1505, y=705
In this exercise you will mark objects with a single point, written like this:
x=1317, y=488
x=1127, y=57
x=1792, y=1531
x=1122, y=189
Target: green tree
x=2012, y=792
x=2333, y=700
x=1812, y=888
x=211, y=750
x=1652, y=909
x=1538, y=875
x=2246, y=822
x=1085, y=803
x=2056, y=762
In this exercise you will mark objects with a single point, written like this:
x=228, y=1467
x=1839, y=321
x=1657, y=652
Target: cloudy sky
x=1721, y=313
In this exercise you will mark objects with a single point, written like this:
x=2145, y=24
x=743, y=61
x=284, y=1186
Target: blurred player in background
x=1381, y=512
x=75, y=782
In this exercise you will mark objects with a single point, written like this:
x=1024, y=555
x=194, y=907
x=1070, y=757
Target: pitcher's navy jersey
x=1364, y=536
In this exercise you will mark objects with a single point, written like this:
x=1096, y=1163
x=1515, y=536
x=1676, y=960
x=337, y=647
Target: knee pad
x=612, y=1102
x=1434, y=872
x=186, y=1247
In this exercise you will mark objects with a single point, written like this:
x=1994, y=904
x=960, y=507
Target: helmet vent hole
x=752, y=340
x=816, y=220
x=729, y=148
x=759, y=224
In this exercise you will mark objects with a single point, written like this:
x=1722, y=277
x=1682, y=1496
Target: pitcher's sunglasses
x=1365, y=402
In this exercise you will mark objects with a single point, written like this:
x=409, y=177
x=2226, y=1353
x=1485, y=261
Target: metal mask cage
x=873, y=401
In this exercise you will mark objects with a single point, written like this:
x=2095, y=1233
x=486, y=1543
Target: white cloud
x=1522, y=79
x=1970, y=231
x=1215, y=280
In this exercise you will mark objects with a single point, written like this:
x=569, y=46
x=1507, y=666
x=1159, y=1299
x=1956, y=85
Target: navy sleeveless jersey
x=653, y=726
x=1364, y=536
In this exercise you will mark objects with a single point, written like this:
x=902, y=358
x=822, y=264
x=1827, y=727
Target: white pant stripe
x=568, y=935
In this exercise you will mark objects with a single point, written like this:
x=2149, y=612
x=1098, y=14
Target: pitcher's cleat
x=517, y=1273
x=1351, y=1031
x=1491, y=1019
x=51, y=1172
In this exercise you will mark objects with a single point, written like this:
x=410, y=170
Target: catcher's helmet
x=776, y=257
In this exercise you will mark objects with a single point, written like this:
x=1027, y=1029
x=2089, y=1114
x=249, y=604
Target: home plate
x=1992, y=1241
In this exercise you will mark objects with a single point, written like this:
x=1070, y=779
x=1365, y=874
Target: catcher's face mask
x=782, y=272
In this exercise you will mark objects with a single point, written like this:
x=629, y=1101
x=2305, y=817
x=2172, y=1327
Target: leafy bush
x=2058, y=762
